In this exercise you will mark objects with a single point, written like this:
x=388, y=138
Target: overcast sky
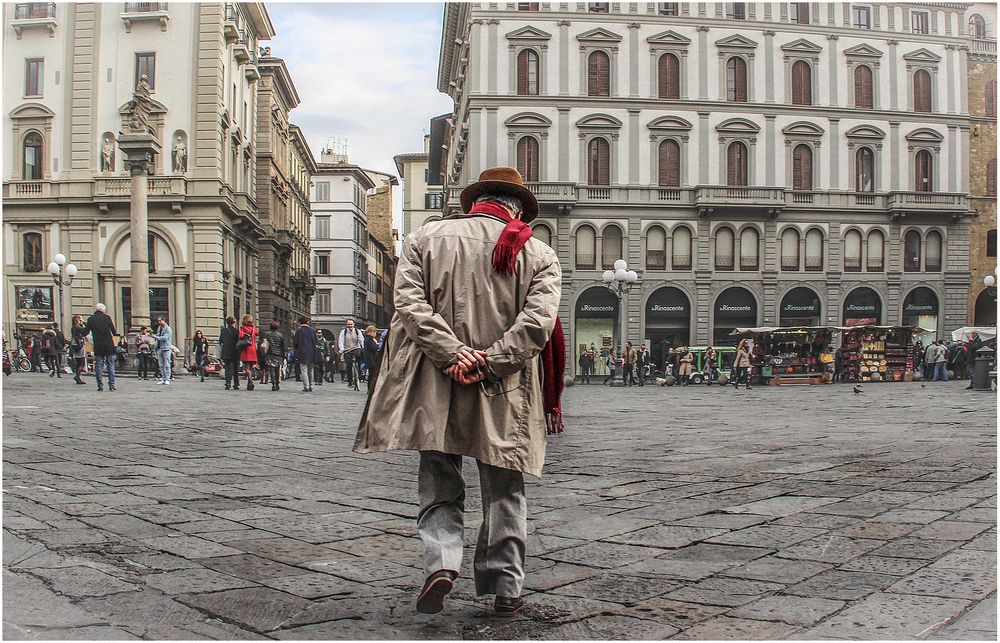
x=365, y=72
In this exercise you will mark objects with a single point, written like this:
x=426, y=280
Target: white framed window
x=861, y=17
x=322, y=227
x=323, y=191
x=919, y=22
x=322, y=302
x=323, y=264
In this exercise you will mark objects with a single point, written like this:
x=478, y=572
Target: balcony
x=34, y=14
x=160, y=189
x=814, y=264
x=29, y=190
x=986, y=46
x=709, y=198
x=586, y=262
x=251, y=71
x=681, y=262
x=951, y=204
x=242, y=48
x=852, y=264
x=231, y=25
x=140, y=11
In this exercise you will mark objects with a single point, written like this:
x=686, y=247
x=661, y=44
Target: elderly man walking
x=473, y=367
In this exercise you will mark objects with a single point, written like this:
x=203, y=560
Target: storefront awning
x=985, y=333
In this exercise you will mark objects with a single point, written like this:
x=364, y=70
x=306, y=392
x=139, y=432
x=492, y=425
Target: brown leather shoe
x=436, y=587
x=504, y=606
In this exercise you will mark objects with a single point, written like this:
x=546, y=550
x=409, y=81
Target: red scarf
x=505, y=254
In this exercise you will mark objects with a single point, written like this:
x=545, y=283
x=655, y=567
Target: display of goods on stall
x=886, y=352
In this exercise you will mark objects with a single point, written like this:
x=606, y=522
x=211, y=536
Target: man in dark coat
x=101, y=326
x=306, y=352
x=228, y=338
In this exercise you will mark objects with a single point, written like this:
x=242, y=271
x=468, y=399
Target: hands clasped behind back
x=471, y=367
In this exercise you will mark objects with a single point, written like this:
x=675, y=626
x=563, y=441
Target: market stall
x=878, y=353
x=790, y=355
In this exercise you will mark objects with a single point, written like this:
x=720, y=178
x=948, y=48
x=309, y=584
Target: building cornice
x=282, y=80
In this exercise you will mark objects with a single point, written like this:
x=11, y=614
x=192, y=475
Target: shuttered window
x=921, y=91
x=599, y=162
x=656, y=248
x=682, y=239
x=876, y=251
x=598, y=74
x=801, y=83
x=799, y=12
x=802, y=173
x=911, y=251
x=923, y=179
x=852, y=251
x=932, y=252
x=586, y=248
x=527, y=158
x=611, y=240
x=991, y=177
x=670, y=164
x=864, y=170
x=864, y=97
x=749, y=249
x=725, y=242
x=814, y=250
x=527, y=73
x=736, y=80
x=736, y=164
x=669, y=75
x=991, y=98
x=790, y=249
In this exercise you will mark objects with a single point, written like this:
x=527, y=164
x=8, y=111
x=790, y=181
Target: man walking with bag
x=473, y=367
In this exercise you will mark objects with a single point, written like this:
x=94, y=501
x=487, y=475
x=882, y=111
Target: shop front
x=35, y=309
x=595, y=323
x=862, y=307
x=668, y=322
x=735, y=307
x=920, y=309
x=800, y=307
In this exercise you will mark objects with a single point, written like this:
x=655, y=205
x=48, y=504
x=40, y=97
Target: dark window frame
x=856, y=14
x=864, y=87
x=527, y=158
x=528, y=65
x=737, y=82
x=34, y=141
x=34, y=77
x=598, y=79
x=668, y=76
x=142, y=64
x=31, y=246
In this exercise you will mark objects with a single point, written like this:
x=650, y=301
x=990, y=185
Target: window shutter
x=991, y=98
x=924, y=169
x=522, y=73
x=802, y=168
x=921, y=91
x=740, y=69
x=797, y=169
x=669, y=77
x=603, y=162
x=598, y=74
x=604, y=70
x=731, y=164
x=531, y=151
x=797, y=83
x=736, y=173
x=991, y=178
x=669, y=169
x=864, y=95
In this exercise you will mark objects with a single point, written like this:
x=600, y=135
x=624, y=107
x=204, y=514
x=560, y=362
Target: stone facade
x=203, y=221
x=982, y=151
x=713, y=252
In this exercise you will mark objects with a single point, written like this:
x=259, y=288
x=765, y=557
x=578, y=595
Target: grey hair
x=512, y=203
x=101, y=307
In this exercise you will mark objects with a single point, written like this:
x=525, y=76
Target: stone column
x=139, y=149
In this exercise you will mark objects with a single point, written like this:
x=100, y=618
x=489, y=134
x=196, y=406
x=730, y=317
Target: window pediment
x=863, y=51
x=599, y=121
x=803, y=128
x=801, y=47
x=529, y=34
x=924, y=135
x=737, y=127
x=669, y=38
x=924, y=56
x=669, y=124
x=736, y=43
x=528, y=120
x=599, y=36
x=869, y=132
x=32, y=110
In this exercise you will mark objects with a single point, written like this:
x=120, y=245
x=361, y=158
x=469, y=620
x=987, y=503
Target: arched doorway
x=920, y=308
x=595, y=323
x=862, y=307
x=800, y=307
x=735, y=307
x=986, y=309
x=668, y=321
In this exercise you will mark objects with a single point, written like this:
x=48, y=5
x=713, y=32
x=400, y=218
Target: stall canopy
x=986, y=333
x=869, y=327
x=779, y=329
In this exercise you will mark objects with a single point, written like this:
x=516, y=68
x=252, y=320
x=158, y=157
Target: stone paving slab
x=743, y=517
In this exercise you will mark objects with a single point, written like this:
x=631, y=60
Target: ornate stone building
x=69, y=71
x=285, y=166
x=756, y=163
x=981, y=19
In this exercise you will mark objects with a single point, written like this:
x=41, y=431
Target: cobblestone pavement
x=191, y=512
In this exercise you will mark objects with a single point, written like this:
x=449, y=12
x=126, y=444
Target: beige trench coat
x=448, y=298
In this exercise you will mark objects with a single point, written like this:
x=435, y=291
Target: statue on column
x=180, y=156
x=139, y=108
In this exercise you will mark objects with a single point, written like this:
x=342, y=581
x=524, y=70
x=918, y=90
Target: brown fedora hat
x=501, y=180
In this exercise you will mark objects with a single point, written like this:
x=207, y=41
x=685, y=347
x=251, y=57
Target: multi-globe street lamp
x=620, y=281
x=56, y=270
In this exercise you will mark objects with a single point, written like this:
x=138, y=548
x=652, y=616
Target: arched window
x=542, y=233
x=725, y=249
x=852, y=251
x=669, y=76
x=864, y=170
x=586, y=248
x=864, y=97
x=921, y=91
x=790, y=249
x=923, y=172
x=736, y=164
x=801, y=83
x=599, y=162
x=749, y=248
x=527, y=158
x=911, y=251
x=802, y=172
x=32, y=252
x=876, y=252
x=814, y=250
x=598, y=74
x=991, y=177
x=656, y=248
x=932, y=252
x=682, y=239
x=977, y=26
x=991, y=98
x=736, y=80
x=670, y=164
x=611, y=240
x=527, y=73
x=32, y=168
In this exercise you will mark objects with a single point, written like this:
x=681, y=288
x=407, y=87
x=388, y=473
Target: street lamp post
x=620, y=281
x=56, y=270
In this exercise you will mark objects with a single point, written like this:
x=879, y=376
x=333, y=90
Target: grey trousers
x=500, y=551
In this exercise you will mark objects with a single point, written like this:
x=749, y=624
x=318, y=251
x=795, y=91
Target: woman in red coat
x=248, y=332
